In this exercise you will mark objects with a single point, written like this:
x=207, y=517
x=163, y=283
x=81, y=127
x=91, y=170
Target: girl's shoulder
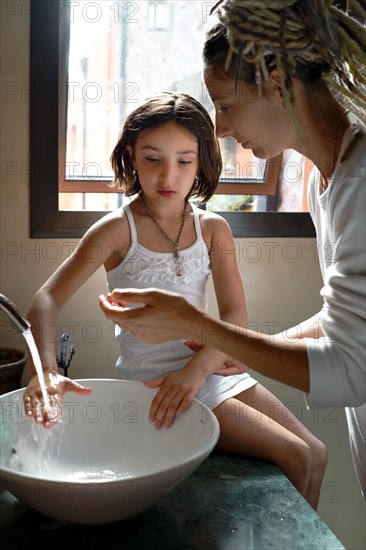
x=111, y=219
x=211, y=219
x=111, y=236
x=213, y=226
x=111, y=226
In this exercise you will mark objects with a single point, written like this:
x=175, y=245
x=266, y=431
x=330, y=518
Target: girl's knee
x=319, y=456
x=302, y=455
x=296, y=456
x=295, y=462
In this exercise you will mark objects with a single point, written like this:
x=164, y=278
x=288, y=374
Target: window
x=69, y=152
x=158, y=15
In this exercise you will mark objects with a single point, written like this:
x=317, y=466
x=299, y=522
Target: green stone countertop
x=229, y=503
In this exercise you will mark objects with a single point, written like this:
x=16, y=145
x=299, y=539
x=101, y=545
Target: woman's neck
x=323, y=121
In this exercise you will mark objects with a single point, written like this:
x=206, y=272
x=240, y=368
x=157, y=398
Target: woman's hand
x=56, y=386
x=176, y=394
x=159, y=317
x=228, y=368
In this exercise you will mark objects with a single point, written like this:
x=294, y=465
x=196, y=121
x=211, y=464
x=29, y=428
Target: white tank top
x=143, y=268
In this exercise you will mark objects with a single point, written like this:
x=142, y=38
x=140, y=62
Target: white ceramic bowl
x=105, y=461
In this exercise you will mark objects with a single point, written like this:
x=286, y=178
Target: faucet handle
x=65, y=352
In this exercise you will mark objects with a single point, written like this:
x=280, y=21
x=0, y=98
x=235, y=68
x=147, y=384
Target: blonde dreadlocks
x=309, y=39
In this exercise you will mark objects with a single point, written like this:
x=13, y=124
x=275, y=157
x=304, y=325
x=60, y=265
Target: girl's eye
x=151, y=159
x=184, y=162
x=222, y=109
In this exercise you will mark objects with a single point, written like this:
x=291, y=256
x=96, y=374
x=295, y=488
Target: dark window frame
x=46, y=220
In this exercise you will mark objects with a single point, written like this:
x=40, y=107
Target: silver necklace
x=323, y=182
x=177, y=257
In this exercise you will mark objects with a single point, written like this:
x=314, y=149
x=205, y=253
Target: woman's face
x=256, y=119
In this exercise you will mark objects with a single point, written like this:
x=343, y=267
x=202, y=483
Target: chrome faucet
x=13, y=314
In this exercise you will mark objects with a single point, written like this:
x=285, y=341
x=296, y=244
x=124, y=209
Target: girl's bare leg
x=255, y=423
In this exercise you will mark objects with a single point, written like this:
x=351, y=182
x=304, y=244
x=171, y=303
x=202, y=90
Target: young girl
x=167, y=153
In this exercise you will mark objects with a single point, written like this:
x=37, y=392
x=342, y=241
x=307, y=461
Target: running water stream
x=23, y=326
x=51, y=410
x=15, y=441
x=37, y=364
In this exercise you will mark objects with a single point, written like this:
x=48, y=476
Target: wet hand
x=56, y=385
x=176, y=394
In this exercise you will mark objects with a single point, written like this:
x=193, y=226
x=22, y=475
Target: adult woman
x=283, y=74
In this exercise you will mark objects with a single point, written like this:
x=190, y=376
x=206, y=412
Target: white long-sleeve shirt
x=338, y=361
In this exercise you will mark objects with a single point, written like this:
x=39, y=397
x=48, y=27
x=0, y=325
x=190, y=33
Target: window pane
x=142, y=48
x=119, y=54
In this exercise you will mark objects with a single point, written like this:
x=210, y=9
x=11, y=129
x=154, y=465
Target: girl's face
x=255, y=119
x=166, y=159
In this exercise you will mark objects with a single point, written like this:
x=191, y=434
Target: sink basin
x=104, y=461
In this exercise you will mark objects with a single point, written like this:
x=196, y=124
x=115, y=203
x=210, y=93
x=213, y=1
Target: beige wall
x=279, y=289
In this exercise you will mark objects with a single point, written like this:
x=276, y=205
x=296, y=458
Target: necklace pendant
x=177, y=259
x=178, y=263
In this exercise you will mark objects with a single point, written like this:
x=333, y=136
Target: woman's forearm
x=277, y=357
x=168, y=316
x=311, y=328
x=211, y=358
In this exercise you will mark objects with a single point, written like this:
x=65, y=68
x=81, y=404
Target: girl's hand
x=176, y=393
x=229, y=368
x=56, y=386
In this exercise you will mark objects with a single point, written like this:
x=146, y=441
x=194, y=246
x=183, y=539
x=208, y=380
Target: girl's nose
x=167, y=172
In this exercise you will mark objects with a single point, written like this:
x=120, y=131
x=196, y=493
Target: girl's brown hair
x=154, y=112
